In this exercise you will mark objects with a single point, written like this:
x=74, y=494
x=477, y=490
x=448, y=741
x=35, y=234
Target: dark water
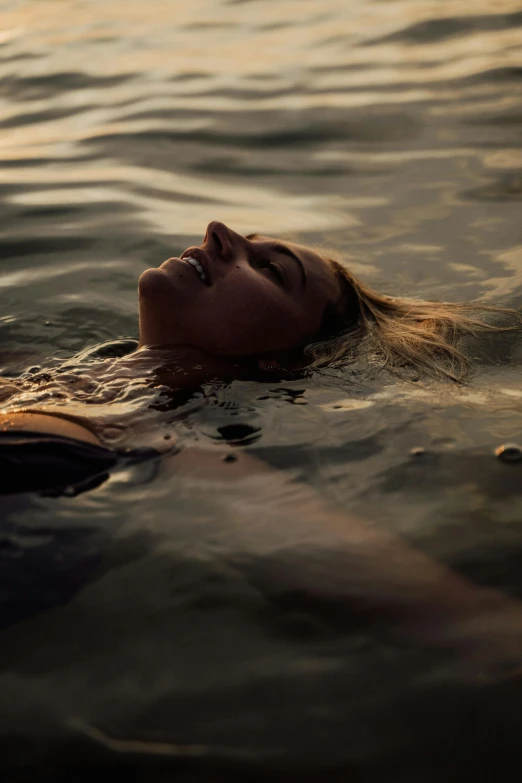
x=176, y=625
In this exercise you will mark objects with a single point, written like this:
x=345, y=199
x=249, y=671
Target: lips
x=197, y=259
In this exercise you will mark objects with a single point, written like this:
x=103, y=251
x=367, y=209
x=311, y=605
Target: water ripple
x=166, y=609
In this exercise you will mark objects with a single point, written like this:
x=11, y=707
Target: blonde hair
x=399, y=334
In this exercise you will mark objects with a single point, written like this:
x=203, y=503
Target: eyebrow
x=280, y=248
x=287, y=252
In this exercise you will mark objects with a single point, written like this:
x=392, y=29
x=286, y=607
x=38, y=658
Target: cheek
x=249, y=318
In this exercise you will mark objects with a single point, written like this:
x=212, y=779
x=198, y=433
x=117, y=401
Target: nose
x=222, y=240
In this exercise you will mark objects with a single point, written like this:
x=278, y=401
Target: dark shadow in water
x=289, y=457
x=17, y=248
x=13, y=58
x=239, y=434
x=434, y=30
x=43, y=567
x=508, y=187
x=437, y=732
x=32, y=88
x=509, y=74
x=49, y=115
x=258, y=131
x=441, y=471
x=479, y=534
x=50, y=161
x=190, y=76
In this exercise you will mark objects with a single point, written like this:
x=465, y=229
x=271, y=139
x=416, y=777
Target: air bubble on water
x=347, y=405
x=509, y=452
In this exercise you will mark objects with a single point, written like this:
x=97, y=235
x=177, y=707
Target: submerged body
x=250, y=308
x=257, y=308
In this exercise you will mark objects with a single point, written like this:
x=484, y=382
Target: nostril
x=217, y=241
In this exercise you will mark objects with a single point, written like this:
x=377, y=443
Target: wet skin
x=259, y=296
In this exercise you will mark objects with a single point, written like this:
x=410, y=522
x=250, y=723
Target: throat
x=182, y=367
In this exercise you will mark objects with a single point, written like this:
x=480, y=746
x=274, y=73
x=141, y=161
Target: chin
x=152, y=283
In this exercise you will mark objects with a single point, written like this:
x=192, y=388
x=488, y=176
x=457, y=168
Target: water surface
x=168, y=623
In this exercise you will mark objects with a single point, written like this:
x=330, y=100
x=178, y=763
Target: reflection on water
x=178, y=622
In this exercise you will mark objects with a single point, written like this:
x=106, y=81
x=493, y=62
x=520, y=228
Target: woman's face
x=236, y=296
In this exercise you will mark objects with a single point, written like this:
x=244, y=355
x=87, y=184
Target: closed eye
x=276, y=270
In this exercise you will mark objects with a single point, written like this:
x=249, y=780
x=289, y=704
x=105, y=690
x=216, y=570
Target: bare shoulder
x=46, y=423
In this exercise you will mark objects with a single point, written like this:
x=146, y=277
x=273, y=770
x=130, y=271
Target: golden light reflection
x=185, y=68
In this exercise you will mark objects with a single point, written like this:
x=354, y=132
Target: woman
x=240, y=307
x=244, y=307
x=286, y=307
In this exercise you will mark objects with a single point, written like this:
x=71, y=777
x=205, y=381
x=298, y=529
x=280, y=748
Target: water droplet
x=347, y=405
x=112, y=432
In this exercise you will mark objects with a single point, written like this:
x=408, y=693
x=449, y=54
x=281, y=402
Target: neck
x=182, y=367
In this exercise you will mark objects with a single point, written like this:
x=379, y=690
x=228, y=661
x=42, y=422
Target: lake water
x=172, y=624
